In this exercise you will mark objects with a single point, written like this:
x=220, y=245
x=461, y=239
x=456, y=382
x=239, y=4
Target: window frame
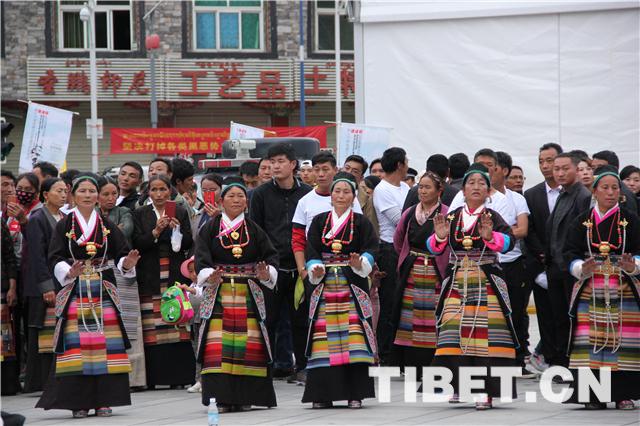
x=239, y=10
x=316, y=27
x=62, y=8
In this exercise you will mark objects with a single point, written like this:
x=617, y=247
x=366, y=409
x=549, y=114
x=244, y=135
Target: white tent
x=459, y=76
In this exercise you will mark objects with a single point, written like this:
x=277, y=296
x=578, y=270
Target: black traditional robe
x=236, y=389
x=348, y=381
x=618, y=229
x=77, y=392
x=499, y=350
x=176, y=345
x=38, y=280
x=144, y=220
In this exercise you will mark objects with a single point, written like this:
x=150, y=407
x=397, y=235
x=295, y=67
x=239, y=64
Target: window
x=325, y=29
x=113, y=25
x=228, y=25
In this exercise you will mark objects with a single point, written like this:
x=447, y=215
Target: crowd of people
x=314, y=271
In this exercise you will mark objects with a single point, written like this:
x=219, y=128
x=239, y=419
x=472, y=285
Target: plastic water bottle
x=214, y=417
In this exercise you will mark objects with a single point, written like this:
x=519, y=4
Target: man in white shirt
x=513, y=265
x=388, y=199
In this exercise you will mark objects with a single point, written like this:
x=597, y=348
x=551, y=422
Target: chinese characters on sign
x=167, y=141
x=189, y=80
x=194, y=140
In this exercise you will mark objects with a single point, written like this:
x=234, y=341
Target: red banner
x=193, y=140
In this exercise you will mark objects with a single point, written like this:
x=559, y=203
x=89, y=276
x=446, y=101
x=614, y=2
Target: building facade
x=217, y=61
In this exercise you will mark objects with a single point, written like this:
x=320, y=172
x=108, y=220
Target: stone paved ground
x=177, y=407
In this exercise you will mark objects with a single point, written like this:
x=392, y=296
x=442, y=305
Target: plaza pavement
x=177, y=407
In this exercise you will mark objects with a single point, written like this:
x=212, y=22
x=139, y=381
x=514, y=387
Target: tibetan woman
x=341, y=345
x=237, y=271
x=91, y=364
x=603, y=254
x=473, y=315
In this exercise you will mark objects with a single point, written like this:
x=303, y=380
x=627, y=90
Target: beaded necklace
x=235, y=239
x=607, y=270
x=90, y=244
x=336, y=244
x=604, y=246
x=460, y=236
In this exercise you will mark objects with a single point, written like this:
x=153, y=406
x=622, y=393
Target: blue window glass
x=206, y=30
x=229, y=31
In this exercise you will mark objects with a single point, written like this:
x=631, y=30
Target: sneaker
x=627, y=404
x=536, y=364
x=455, y=399
x=104, y=412
x=484, y=405
x=355, y=403
x=322, y=404
x=299, y=378
x=197, y=387
x=79, y=414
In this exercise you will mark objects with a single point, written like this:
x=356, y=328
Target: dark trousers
x=299, y=318
x=283, y=355
x=559, y=292
x=544, y=313
x=387, y=262
x=519, y=288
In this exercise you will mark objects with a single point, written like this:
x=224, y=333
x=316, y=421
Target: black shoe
x=595, y=406
x=560, y=381
x=526, y=374
x=282, y=373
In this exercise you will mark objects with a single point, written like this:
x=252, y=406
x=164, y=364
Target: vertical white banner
x=241, y=131
x=46, y=136
x=366, y=141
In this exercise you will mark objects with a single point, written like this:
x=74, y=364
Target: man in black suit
x=573, y=200
x=541, y=200
x=604, y=158
x=438, y=164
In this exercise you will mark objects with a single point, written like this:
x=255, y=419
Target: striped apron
x=472, y=322
x=234, y=343
x=417, y=325
x=93, y=341
x=338, y=335
x=607, y=337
